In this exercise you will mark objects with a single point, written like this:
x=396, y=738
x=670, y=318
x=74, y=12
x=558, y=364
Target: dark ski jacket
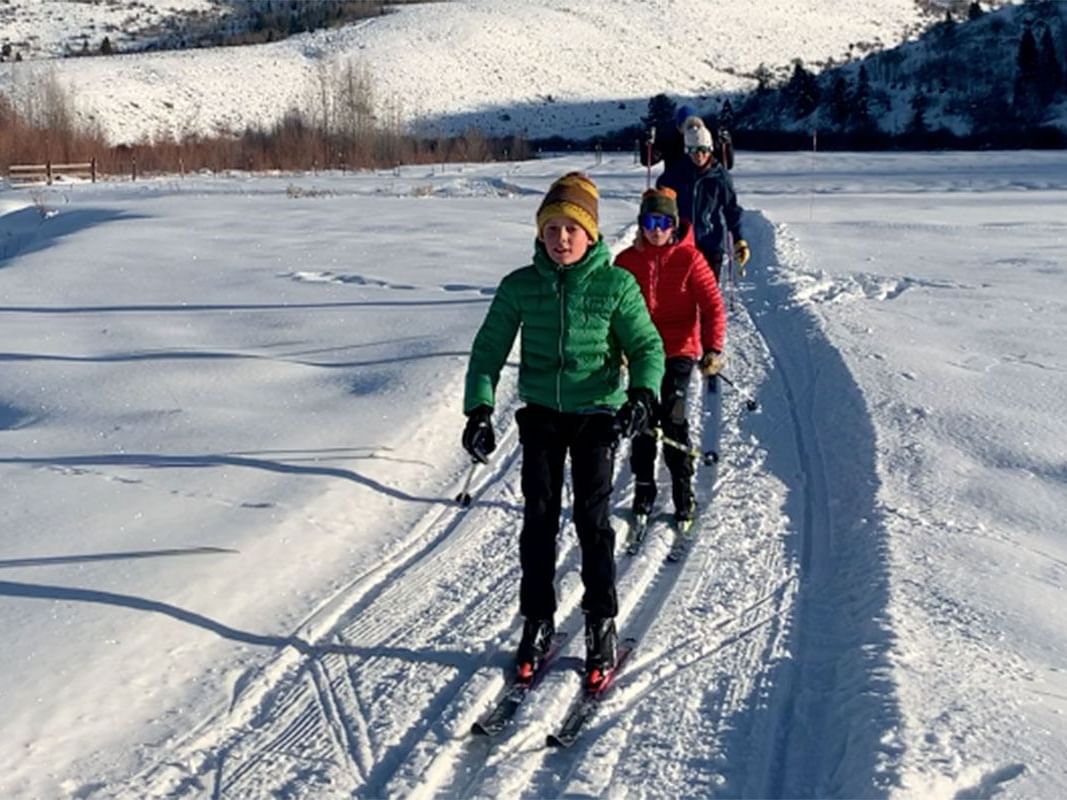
x=707, y=199
x=577, y=323
x=682, y=294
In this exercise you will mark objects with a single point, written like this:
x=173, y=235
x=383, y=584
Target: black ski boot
x=536, y=639
x=644, y=497
x=601, y=646
x=684, y=503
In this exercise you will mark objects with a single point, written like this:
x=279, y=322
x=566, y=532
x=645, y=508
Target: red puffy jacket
x=681, y=292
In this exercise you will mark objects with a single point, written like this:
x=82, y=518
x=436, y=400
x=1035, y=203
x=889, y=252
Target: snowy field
x=229, y=440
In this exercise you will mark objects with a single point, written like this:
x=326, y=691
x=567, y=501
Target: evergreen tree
x=802, y=92
x=660, y=114
x=919, y=105
x=1026, y=100
x=1026, y=58
x=974, y=11
x=861, y=100
x=1049, y=72
x=840, y=102
x=105, y=47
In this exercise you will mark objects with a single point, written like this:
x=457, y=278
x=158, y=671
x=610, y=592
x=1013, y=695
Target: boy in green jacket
x=579, y=318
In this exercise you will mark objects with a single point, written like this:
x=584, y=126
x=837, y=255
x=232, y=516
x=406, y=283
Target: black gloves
x=478, y=437
x=635, y=416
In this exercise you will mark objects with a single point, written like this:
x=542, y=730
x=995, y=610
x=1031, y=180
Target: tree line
x=337, y=127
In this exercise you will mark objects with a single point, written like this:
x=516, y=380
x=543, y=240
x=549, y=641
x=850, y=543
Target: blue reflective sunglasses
x=657, y=222
x=700, y=149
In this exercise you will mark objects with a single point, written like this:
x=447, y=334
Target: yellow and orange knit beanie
x=574, y=196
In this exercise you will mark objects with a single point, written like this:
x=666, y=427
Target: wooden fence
x=48, y=172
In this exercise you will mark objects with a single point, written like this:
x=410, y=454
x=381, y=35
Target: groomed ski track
x=766, y=645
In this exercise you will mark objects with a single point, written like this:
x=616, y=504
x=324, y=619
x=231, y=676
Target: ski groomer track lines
x=377, y=695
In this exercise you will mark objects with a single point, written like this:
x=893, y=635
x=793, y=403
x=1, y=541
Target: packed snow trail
x=763, y=648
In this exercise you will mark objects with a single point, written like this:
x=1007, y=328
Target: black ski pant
x=547, y=437
x=672, y=419
x=715, y=260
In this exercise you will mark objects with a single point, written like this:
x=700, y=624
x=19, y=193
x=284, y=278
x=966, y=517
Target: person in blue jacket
x=706, y=198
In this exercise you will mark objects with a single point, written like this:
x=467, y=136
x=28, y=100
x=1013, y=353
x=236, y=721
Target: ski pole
x=750, y=401
x=730, y=276
x=692, y=452
x=464, y=497
x=648, y=156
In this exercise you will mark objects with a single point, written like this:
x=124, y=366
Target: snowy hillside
x=504, y=65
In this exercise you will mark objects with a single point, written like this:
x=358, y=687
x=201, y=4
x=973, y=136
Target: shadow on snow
x=825, y=728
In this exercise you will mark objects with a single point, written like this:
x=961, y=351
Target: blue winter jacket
x=708, y=200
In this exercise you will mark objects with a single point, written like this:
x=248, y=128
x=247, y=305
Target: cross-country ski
x=515, y=693
x=588, y=702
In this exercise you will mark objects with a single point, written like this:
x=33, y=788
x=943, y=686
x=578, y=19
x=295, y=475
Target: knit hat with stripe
x=660, y=201
x=574, y=196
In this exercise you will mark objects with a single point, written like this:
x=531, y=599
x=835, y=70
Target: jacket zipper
x=653, y=300
x=562, y=329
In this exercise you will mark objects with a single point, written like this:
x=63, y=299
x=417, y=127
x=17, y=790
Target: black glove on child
x=635, y=416
x=478, y=437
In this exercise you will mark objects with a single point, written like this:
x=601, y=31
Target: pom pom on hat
x=698, y=136
x=574, y=196
x=691, y=122
x=682, y=115
x=660, y=201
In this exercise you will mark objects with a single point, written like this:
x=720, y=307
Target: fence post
x=48, y=172
x=92, y=169
x=133, y=174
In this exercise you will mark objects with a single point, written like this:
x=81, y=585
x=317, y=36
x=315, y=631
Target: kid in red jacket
x=686, y=306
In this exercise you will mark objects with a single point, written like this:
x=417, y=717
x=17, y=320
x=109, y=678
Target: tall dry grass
x=337, y=127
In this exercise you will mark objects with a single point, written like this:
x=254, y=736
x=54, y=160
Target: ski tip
x=552, y=740
x=477, y=729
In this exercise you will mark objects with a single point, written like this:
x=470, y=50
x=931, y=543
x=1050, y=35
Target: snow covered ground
x=229, y=425
x=506, y=66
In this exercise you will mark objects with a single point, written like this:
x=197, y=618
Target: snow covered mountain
x=505, y=66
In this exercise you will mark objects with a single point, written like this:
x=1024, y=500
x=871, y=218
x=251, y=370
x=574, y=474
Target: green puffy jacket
x=577, y=322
